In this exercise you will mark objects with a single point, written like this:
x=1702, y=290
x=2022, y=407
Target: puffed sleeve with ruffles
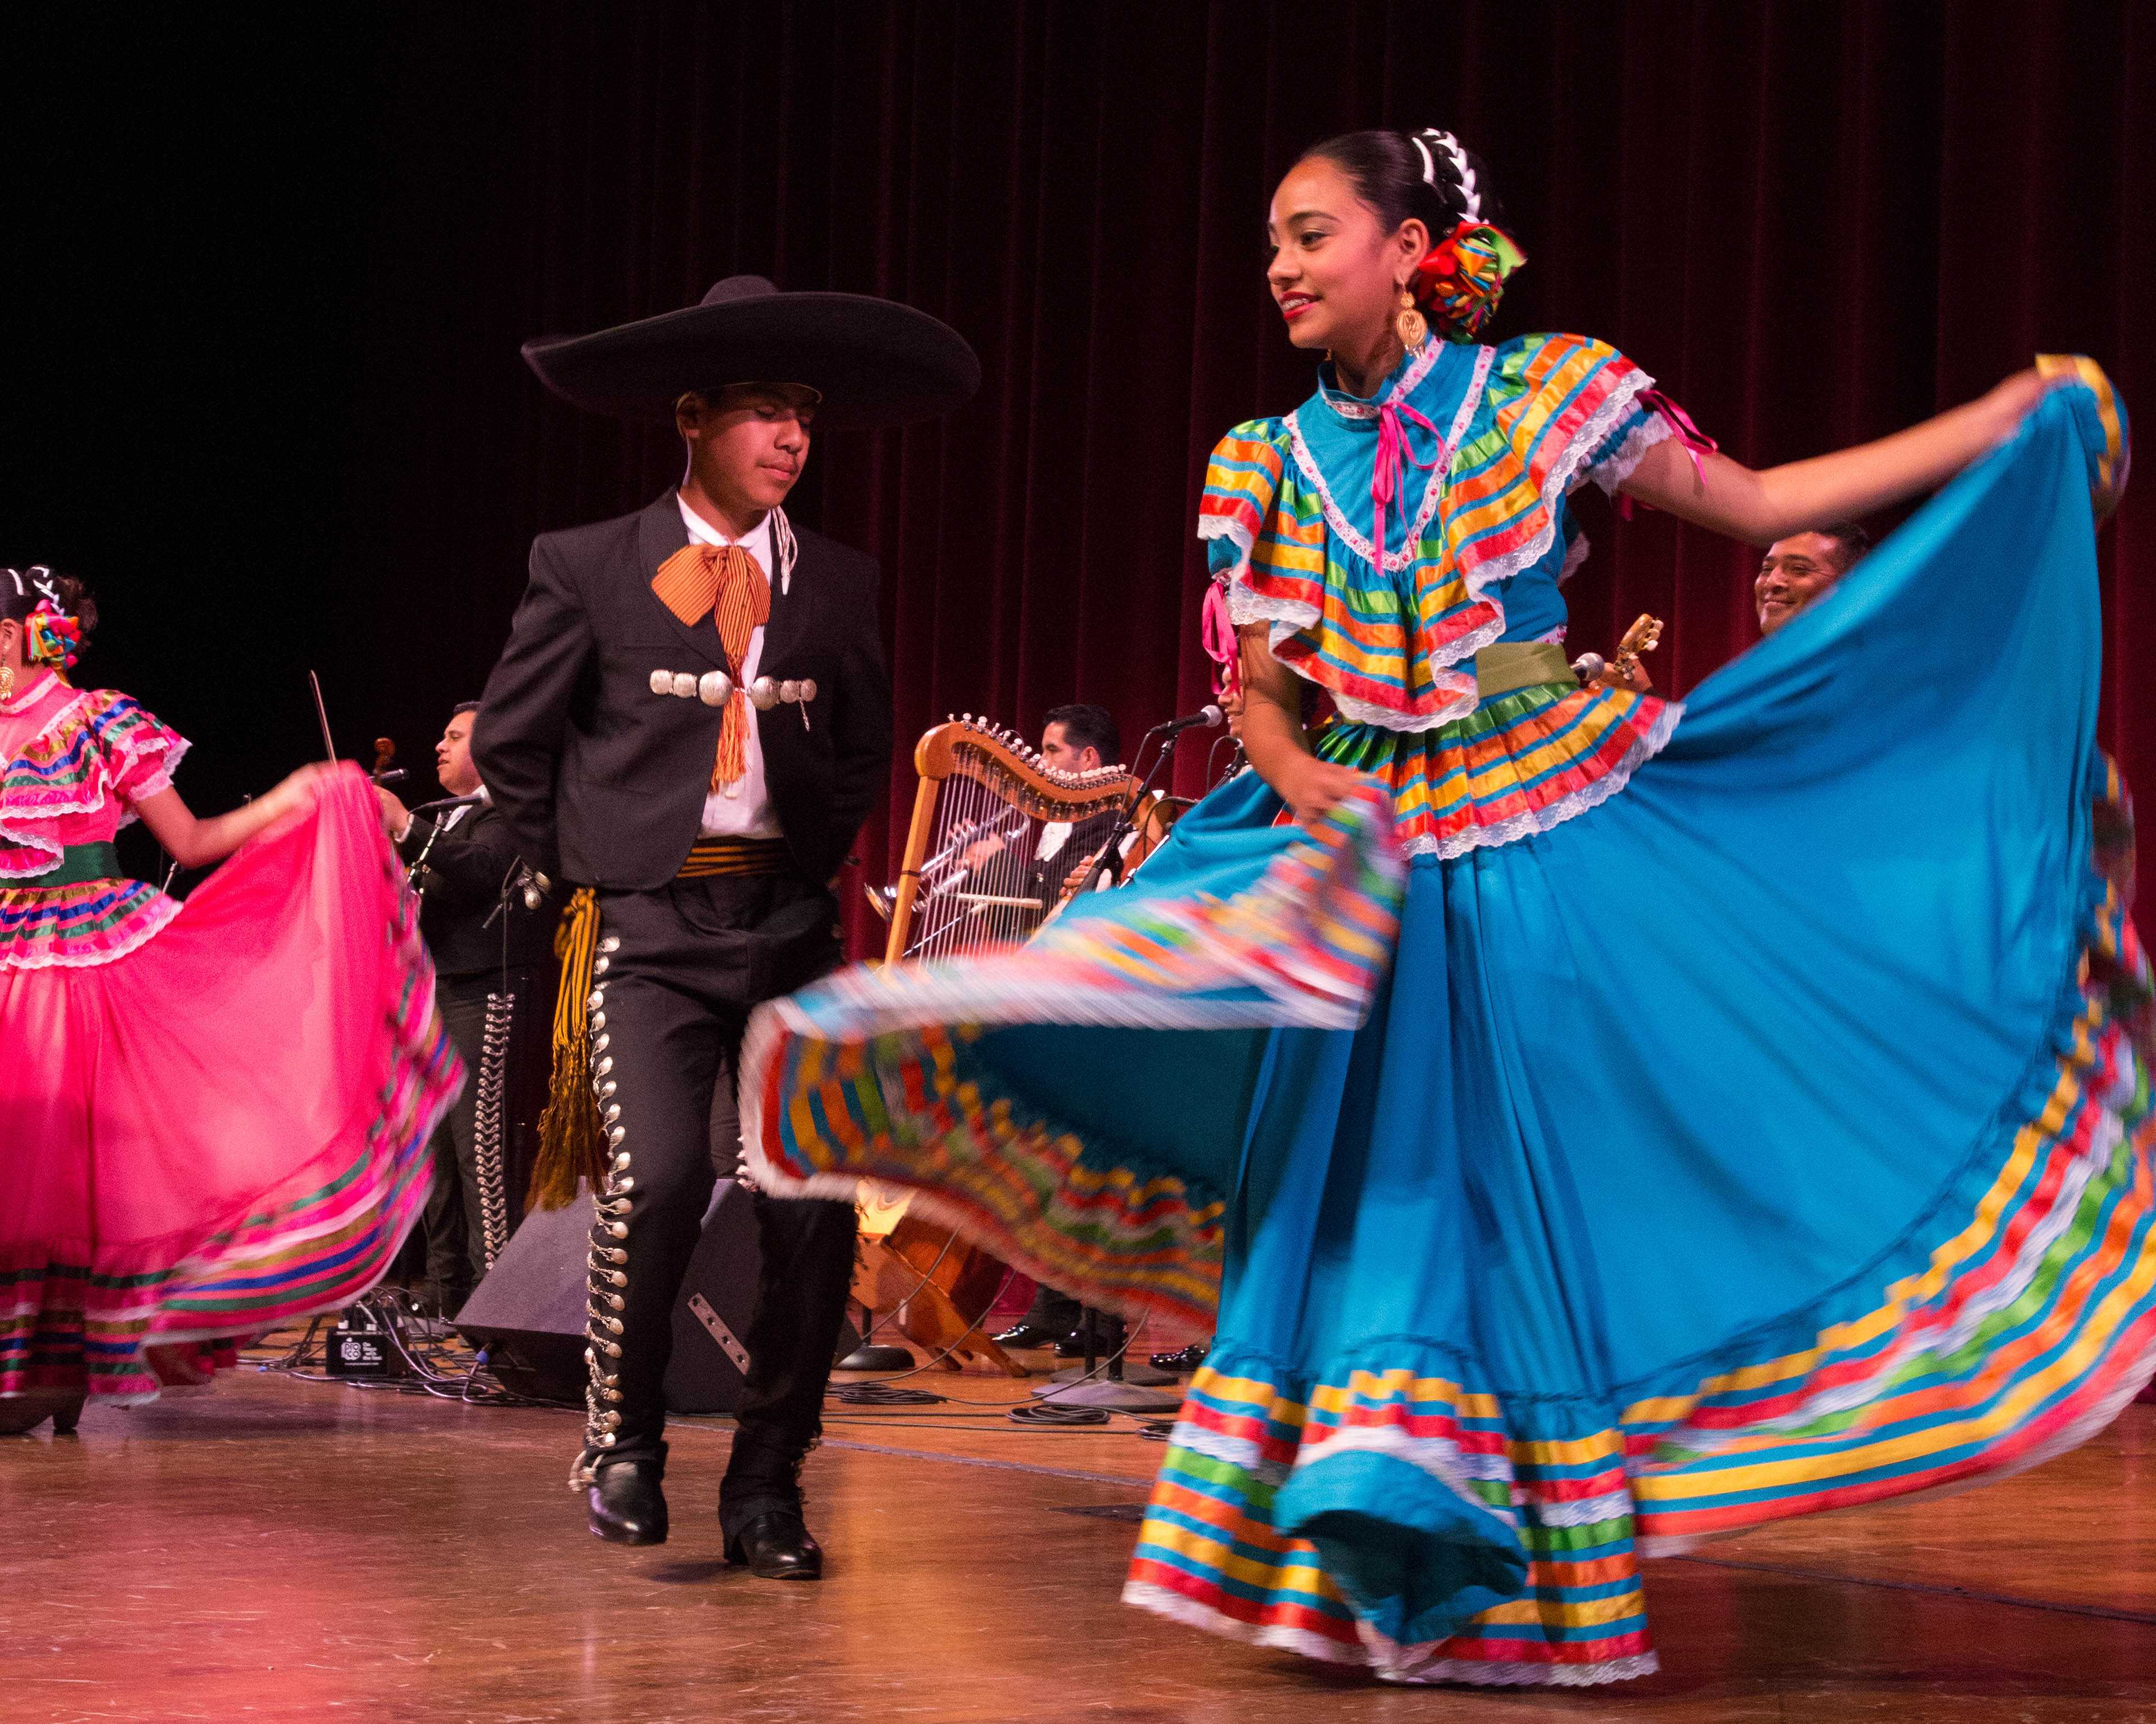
x=76, y=781
x=140, y=754
x=1557, y=411
x=1270, y=551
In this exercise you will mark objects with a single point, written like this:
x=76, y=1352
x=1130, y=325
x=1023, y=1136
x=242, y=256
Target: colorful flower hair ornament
x=50, y=636
x=1458, y=283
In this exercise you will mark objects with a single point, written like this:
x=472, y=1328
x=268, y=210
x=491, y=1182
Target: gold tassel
x=570, y=1150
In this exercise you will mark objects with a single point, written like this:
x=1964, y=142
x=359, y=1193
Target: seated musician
x=1800, y=569
x=1073, y=739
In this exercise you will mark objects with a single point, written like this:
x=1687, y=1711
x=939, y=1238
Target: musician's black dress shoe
x=627, y=1507
x=1181, y=1359
x=1029, y=1334
x=777, y=1545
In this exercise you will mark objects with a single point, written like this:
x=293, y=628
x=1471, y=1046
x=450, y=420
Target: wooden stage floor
x=278, y=1549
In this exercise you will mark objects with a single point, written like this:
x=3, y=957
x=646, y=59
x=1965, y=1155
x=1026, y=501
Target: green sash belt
x=79, y=863
x=1513, y=665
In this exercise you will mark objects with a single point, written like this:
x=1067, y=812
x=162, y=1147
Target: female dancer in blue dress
x=1602, y=1123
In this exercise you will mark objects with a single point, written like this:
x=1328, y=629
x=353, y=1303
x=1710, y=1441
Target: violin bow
x=322, y=713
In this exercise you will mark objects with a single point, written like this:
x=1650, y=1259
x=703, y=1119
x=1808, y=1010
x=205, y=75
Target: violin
x=385, y=749
x=382, y=772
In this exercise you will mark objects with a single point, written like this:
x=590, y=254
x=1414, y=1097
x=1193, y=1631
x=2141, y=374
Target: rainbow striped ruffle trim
x=861, y=1077
x=2011, y=1323
x=100, y=744
x=1518, y=764
x=1542, y=414
x=74, y=927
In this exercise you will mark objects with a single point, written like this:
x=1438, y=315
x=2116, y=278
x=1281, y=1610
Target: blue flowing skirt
x=1773, y=1136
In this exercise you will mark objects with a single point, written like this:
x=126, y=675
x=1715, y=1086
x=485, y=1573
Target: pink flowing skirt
x=226, y=1128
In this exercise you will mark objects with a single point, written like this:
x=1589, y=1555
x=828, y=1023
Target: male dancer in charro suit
x=689, y=723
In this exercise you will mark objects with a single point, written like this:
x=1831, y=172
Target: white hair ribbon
x=1470, y=196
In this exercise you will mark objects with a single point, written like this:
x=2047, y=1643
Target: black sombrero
x=875, y=361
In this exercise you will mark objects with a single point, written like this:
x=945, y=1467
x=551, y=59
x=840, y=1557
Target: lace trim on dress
x=1289, y=618
x=1569, y=472
x=1464, y=696
x=1440, y=474
x=1541, y=819
x=113, y=757
x=1351, y=407
x=1612, y=472
x=137, y=922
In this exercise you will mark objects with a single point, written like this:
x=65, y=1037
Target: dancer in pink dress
x=215, y=1113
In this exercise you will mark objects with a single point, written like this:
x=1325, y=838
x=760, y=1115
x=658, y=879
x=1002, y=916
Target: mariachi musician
x=689, y=724
x=490, y=934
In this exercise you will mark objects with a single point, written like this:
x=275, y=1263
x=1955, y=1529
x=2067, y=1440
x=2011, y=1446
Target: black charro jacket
x=602, y=780
x=472, y=915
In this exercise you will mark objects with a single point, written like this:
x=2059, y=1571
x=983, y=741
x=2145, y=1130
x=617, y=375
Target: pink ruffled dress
x=216, y=1113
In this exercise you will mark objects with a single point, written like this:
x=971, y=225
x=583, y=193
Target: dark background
x=268, y=281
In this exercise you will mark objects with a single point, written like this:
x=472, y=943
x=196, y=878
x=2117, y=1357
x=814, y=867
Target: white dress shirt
x=451, y=817
x=742, y=810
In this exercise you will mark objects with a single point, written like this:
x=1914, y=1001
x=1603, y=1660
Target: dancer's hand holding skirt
x=215, y=1113
x=1772, y=1135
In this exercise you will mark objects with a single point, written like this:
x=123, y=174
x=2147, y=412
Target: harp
x=995, y=838
x=984, y=866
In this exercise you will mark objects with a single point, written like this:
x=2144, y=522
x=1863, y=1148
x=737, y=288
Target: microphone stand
x=1115, y=1393
x=1111, y=854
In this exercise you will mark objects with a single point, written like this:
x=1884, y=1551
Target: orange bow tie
x=724, y=581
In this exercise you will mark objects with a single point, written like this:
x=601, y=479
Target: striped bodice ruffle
x=1287, y=509
x=1518, y=764
x=72, y=784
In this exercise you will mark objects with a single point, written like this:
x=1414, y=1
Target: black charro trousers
x=682, y=966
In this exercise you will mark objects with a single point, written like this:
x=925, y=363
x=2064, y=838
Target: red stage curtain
x=1814, y=222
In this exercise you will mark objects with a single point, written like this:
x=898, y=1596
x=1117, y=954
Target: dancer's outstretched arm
x=195, y=843
x=1759, y=506
x=1726, y=496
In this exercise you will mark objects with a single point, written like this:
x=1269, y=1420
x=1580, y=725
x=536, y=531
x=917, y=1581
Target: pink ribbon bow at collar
x=1386, y=474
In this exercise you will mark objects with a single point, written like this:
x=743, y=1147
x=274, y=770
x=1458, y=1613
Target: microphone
x=1206, y=718
x=446, y=803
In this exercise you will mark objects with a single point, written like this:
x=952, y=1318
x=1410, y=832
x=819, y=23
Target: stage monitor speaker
x=529, y=1312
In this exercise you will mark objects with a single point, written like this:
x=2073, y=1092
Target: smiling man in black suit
x=689, y=723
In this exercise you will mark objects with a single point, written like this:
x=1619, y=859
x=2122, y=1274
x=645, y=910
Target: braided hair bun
x=1430, y=177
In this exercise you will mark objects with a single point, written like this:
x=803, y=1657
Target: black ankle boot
x=627, y=1505
x=777, y=1545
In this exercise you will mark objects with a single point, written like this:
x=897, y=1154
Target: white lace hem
x=1617, y=468
x=1163, y=1601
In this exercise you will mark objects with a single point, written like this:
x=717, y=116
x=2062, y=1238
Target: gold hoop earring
x=1412, y=327
x=7, y=680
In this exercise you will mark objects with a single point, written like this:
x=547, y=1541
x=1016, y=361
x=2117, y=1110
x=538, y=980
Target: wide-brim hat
x=875, y=361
